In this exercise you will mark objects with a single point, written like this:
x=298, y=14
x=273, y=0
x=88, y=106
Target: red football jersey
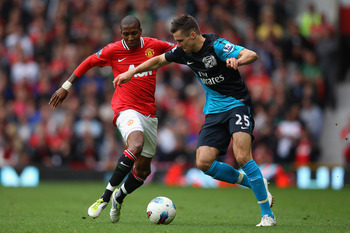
x=138, y=93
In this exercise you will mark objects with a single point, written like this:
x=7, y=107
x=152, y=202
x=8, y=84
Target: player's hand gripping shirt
x=223, y=86
x=138, y=93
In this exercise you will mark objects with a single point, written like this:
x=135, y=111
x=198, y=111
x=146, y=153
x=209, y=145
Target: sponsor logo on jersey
x=98, y=54
x=209, y=61
x=119, y=60
x=149, y=53
x=146, y=73
x=228, y=48
x=213, y=80
x=206, y=80
x=130, y=122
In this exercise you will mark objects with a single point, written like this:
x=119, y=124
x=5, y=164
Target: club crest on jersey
x=130, y=122
x=149, y=53
x=209, y=61
x=98, y=54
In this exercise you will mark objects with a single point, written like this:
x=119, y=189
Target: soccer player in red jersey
x=134, y=110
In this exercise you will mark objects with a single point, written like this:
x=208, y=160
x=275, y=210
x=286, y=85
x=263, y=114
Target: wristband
x=66, y=85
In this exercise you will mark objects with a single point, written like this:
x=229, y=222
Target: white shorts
x=130, y=120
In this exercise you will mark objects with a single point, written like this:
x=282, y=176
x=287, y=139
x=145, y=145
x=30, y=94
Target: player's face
x=131, y=34
x=183, y=41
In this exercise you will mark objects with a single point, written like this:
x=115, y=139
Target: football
x=161, y=210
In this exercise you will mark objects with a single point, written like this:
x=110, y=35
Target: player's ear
x=193, y=35
x=140, y=31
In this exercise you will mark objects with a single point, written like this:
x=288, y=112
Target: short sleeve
x=225, y=49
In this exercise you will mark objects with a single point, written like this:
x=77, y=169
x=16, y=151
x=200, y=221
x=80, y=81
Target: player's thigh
x=241, y=120
x=214, y=134
x=241, y=125
x=128, y=122
x=135, y=142
x=150, y=125
x=138, y=130
x=242, y=147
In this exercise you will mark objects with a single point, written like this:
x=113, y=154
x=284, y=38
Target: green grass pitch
x=62, y=207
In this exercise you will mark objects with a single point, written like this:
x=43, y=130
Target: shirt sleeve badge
x=98, y=54
x=228, y=48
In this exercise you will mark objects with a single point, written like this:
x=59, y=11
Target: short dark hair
x=130, y=20
x=185, y=23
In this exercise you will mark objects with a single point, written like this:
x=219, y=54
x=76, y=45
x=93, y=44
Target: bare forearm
x=60, y=95
x=72, y=78
x=246, y=57
x=151, y=64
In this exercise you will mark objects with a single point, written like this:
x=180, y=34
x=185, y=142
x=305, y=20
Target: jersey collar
x=126, y=46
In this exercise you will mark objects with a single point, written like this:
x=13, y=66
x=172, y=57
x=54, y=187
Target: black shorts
x=219, y=127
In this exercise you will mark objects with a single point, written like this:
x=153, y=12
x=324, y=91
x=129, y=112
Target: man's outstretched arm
x=60, y=95
x=151, y=64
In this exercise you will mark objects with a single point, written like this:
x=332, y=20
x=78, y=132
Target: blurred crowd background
x=43, y=41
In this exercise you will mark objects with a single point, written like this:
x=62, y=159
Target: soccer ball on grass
x=161, y=210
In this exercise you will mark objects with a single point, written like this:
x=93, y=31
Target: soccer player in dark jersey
x=134, y=110
x=215, y=62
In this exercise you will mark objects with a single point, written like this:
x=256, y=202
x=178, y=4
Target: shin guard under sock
x=224, y=172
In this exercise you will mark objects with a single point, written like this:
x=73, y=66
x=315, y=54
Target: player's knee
x=203, y=164
x=204, y=158
x=143, y=173
x=136, y=148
